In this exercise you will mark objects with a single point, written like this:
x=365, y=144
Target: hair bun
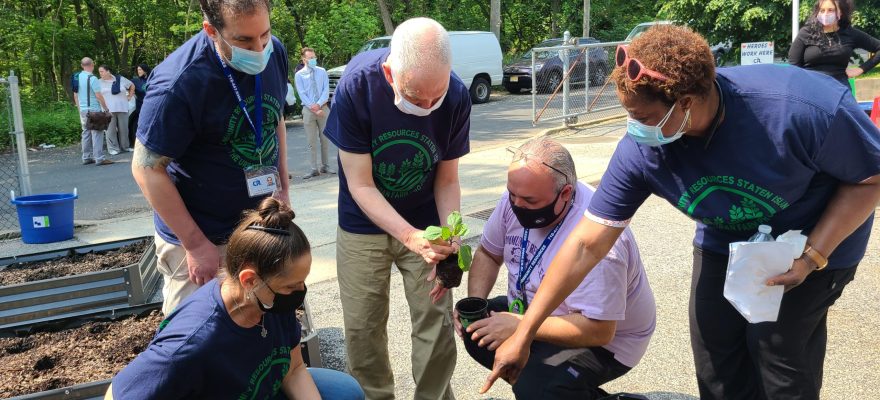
x=275, y=214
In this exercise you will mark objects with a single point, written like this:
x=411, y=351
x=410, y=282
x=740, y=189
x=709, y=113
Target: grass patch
x=52, y=123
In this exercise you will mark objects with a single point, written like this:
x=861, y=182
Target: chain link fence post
x=24, y=175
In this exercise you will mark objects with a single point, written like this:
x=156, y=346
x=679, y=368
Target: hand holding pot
x=431, y=252
x=202, y=261
x=493, y=331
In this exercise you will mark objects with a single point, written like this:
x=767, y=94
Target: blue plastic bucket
x=45, y=218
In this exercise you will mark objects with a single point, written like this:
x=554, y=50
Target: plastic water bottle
x=763, y=234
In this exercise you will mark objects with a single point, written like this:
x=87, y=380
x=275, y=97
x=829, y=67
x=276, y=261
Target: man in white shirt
x=313, y=87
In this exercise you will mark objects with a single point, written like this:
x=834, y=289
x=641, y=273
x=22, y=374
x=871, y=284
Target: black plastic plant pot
x=449, y=273
x=471, y=309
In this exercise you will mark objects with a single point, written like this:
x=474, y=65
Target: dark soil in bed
x=92, y=352
x=73, y=264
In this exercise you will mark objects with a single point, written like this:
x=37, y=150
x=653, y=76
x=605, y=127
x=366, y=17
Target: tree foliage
x=43, y=40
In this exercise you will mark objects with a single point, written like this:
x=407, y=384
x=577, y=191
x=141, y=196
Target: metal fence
x=9, y=159
x=571, y=82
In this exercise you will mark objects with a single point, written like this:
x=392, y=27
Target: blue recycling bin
x=45, y=218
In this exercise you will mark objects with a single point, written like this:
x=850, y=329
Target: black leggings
x=555, y=372
x=768, y=360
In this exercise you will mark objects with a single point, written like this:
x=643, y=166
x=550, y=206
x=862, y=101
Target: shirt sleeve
x=345, y=127
x=796, y=52
x=155, y=374
x=493, y=232
x=850, y=150
x=870, y=44
x=325, y=88
x=460, y=142
x=166, y=123
x=623, y=187
x=300, y=88
x=95, y=83
x=602, y=294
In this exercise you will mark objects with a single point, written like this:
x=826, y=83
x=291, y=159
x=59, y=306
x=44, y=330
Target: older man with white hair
x=401, y=121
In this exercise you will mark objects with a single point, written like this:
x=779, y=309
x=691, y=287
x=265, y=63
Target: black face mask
x=284, y=303
x=538, y=217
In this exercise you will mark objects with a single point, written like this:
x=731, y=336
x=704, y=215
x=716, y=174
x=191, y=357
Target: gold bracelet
x=817, y=257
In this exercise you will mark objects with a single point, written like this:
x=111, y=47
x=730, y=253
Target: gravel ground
x=667, y=371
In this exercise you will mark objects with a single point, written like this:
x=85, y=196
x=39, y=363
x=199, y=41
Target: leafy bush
x=52, y=123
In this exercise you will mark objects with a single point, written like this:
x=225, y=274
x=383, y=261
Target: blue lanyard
x=258, y=102
x=525, y=269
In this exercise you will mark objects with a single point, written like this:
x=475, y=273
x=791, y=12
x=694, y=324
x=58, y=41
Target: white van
x=476, y=59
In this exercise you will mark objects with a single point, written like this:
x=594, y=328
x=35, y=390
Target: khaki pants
x=171, y=262
x=364, y=270
x=314, y=127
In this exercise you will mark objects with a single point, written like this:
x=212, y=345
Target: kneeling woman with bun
x=238, y=336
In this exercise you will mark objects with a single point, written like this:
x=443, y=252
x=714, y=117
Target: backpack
x=115, y=88
x=74, y=82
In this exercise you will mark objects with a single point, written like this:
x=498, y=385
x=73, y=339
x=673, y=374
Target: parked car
x=719, y=50
x=518, y=75
x=476, y=59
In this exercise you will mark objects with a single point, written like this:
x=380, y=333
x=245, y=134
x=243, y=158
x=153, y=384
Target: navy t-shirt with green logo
x=192, y=115
x=199, y=352
x=789, y=138
x=405, y=148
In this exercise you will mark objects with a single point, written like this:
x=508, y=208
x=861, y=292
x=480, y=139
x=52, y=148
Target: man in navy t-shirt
x=401, y=121
x=211, y=140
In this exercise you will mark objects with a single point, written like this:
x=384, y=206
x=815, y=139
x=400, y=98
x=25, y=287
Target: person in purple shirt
x=732, y=149
x=602, y=329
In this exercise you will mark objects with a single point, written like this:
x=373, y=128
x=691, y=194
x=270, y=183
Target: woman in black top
x=826, y=43
x=140, y=90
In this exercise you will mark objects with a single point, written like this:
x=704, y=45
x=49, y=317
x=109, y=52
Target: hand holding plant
x=451, y=269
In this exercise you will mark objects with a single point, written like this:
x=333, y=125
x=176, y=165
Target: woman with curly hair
x=732, y=149
x=826, y=42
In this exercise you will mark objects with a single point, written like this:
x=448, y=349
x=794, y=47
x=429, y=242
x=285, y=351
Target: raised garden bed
x=94, y=351
x=64, y=292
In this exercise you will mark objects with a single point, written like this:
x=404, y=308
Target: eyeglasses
x=521, y=155
x=634, y=68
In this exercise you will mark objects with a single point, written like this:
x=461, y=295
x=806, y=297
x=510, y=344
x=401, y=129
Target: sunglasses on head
x=634, y=68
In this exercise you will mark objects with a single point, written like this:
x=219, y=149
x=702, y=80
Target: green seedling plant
x=455, y=228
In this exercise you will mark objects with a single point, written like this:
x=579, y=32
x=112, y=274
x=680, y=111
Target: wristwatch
x=817, y=257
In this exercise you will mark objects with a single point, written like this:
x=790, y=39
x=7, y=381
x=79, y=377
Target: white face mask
x=827, y=19
x=409, y=108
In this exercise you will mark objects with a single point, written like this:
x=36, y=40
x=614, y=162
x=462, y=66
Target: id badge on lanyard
x=521, y=303
x=260, y=179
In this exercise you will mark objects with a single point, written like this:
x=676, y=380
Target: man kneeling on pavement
x=598, y=333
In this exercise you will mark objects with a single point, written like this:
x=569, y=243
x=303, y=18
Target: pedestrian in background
x=732, y=149
x=89, y=99
x=142, y=73
x=826, y=42
x=117, y=91
x=313, y=86
x=401, y=121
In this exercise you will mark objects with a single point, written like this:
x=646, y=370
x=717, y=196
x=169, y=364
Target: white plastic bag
x=749, y=267
x=132, y=105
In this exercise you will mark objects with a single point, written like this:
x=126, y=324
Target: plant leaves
x=454, y=220
x=462, y=230
x=465, y=257
x=446, y=234
x=432, y=233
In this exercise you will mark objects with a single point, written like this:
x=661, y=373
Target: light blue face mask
x=313, y=62
x=247, y=61
x=653, y=135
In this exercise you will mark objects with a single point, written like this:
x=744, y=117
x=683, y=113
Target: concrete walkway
x=664, y=237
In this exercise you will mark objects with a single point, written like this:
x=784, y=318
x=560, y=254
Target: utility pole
x=495, y=18
x=587, y=18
